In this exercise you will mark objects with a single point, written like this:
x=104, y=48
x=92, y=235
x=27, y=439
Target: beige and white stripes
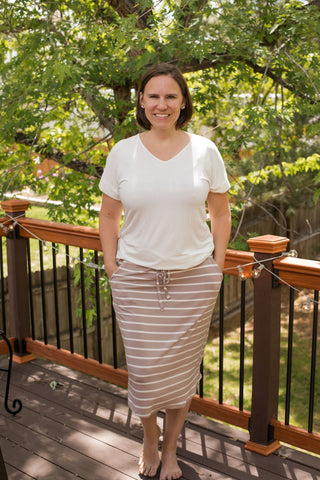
x=164, y=318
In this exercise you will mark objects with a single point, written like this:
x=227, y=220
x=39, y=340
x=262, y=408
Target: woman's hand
x=219, y=263
x=110, y=269
x=109, y=225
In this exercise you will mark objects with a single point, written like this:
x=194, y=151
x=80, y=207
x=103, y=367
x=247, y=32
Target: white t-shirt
x=164, y=223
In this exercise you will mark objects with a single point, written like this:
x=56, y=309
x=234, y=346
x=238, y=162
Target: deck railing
x=268, y=258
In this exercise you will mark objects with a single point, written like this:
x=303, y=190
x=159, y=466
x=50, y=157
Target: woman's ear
x=141, y=100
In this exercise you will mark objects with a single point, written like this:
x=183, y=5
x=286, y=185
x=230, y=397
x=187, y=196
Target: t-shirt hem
x=193, y=261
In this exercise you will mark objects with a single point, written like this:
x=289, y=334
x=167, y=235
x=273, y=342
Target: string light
x=256, y=272
x=44, y=244
x=242, y=275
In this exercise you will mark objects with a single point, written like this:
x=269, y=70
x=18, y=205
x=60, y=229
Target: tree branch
x=57, y=156
x=194, y=65
x=124, y=8
x=105, y=121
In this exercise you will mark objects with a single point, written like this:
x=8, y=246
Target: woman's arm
x=109, y=226
x=219, y=212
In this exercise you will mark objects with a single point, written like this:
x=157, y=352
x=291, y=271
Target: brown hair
x=171, y=71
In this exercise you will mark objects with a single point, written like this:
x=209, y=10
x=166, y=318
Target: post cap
x=15, y=205
x=268, y=244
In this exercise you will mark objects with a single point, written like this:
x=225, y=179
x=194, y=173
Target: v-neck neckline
x=169, y=159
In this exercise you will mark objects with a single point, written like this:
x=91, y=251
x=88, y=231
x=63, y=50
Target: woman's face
x=162, y=101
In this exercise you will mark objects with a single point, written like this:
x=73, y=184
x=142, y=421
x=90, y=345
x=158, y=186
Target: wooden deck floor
x=84, y=430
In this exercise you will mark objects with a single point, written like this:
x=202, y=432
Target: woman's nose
x=162, y=103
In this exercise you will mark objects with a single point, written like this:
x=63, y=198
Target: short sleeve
x=109, y=183
x=219, y=182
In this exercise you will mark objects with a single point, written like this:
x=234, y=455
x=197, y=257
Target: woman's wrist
x=110, y=268
x=219, y=259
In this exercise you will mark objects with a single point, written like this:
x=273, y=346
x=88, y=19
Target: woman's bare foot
x=170, y=469
x=149, y=460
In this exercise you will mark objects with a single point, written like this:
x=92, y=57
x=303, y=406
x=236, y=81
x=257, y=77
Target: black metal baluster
x=242, y=340
x=221, y=340
x=83, y=305
x=313, y=360
x=55, y=294
x=97, y=286
x=201, y=382
x=43, y=295
x=289, y=356
x=69, y=300
x=114, y=338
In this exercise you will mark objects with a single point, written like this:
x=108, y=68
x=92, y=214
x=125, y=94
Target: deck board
x=84, y=430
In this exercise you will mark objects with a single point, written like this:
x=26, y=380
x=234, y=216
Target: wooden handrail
x=295, y=271
x=88, y=237
x=298, y=272
x=237, y=258
x=75, y=235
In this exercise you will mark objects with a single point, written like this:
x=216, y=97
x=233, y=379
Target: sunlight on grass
x=231, y=361
x=301, y=365
x=35, y=211
x=48, y=250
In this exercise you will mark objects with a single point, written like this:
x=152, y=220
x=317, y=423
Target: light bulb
x=242, y=275
x=306, y=307
x=293, y=253
x=257, y=271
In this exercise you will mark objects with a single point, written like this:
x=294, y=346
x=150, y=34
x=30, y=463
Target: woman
x=163, y=276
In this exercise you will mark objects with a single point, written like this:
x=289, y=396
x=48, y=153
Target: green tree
x=69, y=70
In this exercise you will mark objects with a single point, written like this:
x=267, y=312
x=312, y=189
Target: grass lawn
x=301, y=362
x=34, y=211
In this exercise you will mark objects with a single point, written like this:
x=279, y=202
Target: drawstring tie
x=162, y=280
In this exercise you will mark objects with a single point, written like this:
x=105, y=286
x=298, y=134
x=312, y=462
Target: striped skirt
x=164, y=318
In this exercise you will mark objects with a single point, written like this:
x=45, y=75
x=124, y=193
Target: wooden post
x=266, y=346
x=18, y=289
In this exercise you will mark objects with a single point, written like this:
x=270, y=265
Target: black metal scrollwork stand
x=17, y=405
